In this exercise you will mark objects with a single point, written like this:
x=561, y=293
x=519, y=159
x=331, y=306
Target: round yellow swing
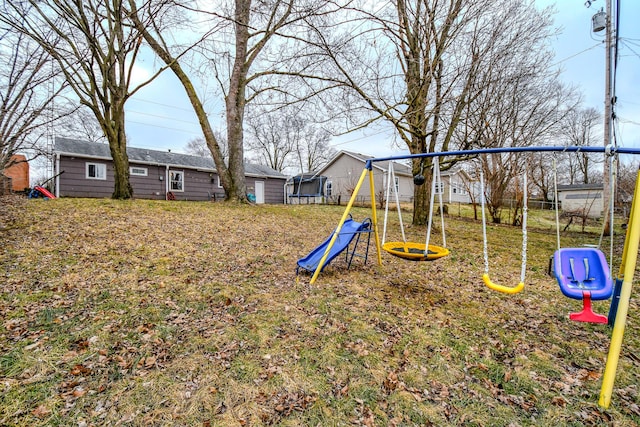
x=413, y=251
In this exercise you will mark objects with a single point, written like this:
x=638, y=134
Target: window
x=397, y=184
x=329, y=189
x=96, y=171
x=137, y=171
x=458, y=189
x=176, y=181
x=440, y=188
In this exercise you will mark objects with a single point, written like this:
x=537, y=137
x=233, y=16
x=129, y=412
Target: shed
x=584, y=198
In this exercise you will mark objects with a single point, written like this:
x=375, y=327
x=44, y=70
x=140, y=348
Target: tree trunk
x=235, y=102
x=114, y=129
x=122, y=188
x=209, y=136
x=235, y=112
x=422, y=193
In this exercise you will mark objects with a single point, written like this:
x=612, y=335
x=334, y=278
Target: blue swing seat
x=583, y=273
x=582, y=269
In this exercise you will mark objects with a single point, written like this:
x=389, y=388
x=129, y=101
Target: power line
x=624, y=101
x=163, y=117
x=631, y=49
x=161, y=104
x=623, y=120
x=357, y=139
x=164, y=127
x=576, y=54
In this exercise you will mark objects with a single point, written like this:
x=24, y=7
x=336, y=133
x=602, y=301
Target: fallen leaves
x=121, y=312
x=390, y=383
x=41, y=412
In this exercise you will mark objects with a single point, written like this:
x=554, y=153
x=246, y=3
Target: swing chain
x=485, y=247
x=525, y=210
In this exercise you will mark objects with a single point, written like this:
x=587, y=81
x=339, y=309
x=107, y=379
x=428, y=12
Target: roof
x=581, y=187
x=96, y=150
x=398, y=168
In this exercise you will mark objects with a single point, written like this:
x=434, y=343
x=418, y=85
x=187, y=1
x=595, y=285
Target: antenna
x=49, y=128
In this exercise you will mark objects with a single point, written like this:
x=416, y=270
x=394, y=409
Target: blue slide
x=349, y=230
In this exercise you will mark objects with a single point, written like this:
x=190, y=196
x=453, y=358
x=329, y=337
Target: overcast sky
x=160, y=115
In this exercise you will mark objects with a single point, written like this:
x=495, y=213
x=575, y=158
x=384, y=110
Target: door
x=259, y=192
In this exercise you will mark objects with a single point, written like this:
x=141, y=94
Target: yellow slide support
x=340, y=224
x=501, y=288
x=374, y=216
x=631, y=244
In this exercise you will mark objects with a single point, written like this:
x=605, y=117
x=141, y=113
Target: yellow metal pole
x=632, y=242
x=634, y=205
x=613, y=308
x=374, y=216
x=340, y=224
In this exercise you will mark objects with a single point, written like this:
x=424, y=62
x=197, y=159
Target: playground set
x=582, y=273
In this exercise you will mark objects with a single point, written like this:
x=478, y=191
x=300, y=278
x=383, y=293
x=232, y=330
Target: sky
x=160, y=116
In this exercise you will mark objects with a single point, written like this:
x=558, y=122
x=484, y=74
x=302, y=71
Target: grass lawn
x=180, y=313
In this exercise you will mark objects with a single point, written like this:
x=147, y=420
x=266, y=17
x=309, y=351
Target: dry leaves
x=190, y=314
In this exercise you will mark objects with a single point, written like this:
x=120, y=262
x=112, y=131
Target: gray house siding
x=273, y=189
x=343, y=174
x=73, y=181
x=198, y=185
x=199, y=180
x=150, y=186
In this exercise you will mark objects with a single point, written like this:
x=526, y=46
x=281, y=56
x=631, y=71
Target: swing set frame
x=623, y=282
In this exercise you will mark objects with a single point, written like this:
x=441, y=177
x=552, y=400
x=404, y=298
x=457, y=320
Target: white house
x=343, y=171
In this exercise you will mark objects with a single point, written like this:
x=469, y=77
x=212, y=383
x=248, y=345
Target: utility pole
x=608, y=116
x=608, y=101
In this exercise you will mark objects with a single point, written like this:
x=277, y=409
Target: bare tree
x=198, y=146
x=581, y=129
x=287, y=138
x=314, y=151
x=520, y=102
x=29, y=85
x=627, y=175
x=424, y=66
x=249, y=50
x=82, y=124
x=524, y=113
x=542, y=179
x=96, y=49
x=273, y=138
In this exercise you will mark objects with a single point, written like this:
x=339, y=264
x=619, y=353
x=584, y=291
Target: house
x=583, y=198
x=16, y=176
x=343, y=171
x=85, y=169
